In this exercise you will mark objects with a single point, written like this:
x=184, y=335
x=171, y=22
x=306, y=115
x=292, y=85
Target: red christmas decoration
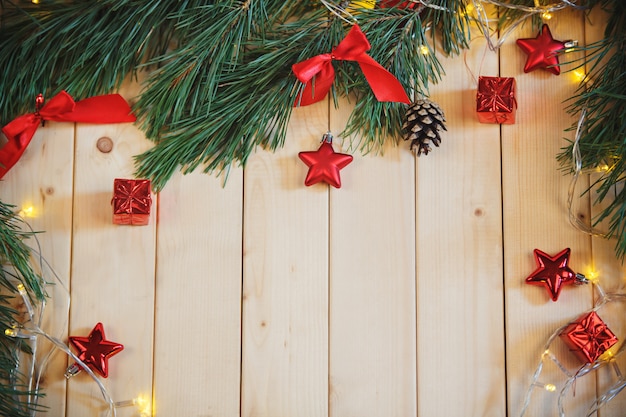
x=552, y=272
x=542, y=51
x=131, y=202
x=401, y=4
x=588, y=337
x=95, y=351
x=111, y=108
x=495, y=100
x=324, y=164
x=353, y=47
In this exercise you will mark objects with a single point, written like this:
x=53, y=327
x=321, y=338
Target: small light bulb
x=143, y=405
x=424, y=50
x=608, y=354
x=550, y=387
x=546, y=15
x=35, y=1
x=592, y=276
x=10, y=332
x=27, y=211
x=579, y=75
x=469, y=8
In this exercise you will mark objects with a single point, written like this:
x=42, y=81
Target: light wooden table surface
x=400, y=294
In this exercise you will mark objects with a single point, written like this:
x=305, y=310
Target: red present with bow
x=318, y=73
x=588, y=337
x=110, y=108
x=131, y=202
x=495, y=100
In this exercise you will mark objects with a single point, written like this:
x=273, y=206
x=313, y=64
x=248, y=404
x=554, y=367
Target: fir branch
x=16, y=269
x=219, y=81
x=400, y=44
x=603, y=139
x=85, y=48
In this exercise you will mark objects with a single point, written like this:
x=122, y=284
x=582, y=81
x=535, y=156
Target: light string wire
x=578, y=170
x=340, y=11
x=32, y=328
x=602, y=398
x=483, y=21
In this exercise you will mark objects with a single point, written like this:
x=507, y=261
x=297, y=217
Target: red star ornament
x=542, y=51
x=324, y=164
x=95, y=351
x=552, y=272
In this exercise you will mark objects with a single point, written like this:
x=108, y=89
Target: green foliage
x=16, y=268
x=603, y=139
x=218, y=74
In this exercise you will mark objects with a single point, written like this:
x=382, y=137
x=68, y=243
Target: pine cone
x=422, y=123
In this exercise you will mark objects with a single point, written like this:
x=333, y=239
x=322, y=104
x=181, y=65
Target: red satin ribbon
x=385, y=86
x=110, y=108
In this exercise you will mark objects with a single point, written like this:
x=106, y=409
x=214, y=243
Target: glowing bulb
x=469, y=8
x=141, y=402
x=550, y=387
x=10, y=332
x=579, y=75
x=27, y=211
x=592, y=276
x=424, y=50
x=546, y=15
x=609, y=354
x=143, y=405
x=35, y=1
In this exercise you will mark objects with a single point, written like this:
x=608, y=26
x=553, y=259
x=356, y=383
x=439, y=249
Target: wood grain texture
x=372, y=283
x=285, y=279
x=610, y=271
x=113, y=270
x=198, y=296
x=400, y=294
x=535, y=216
x=459, y=253
x=43, y=180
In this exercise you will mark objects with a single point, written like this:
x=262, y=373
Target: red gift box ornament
x=495, y=100
x=588, y=337
x=131, y=202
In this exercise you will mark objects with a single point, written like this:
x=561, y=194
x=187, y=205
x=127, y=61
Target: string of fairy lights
x=31, y=329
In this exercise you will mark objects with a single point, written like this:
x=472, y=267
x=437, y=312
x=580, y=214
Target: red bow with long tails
x=353, y=47
x=110, y=108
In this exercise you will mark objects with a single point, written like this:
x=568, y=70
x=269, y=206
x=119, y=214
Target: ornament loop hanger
x=327, y=137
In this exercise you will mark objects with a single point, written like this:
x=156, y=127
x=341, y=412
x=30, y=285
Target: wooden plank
x=372, y=283
x=535, y=216
x=285, y=280
x=113, y=271
x=609, y=269
x=198, y=289
x=461, y=351
x=42, y=180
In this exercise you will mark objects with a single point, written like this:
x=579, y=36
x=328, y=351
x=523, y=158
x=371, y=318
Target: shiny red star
x=552, y=272
x=324, y=165
x=95, y=351
x=542, y=51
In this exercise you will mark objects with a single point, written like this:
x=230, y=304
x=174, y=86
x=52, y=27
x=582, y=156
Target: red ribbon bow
x=110, y=108
x=385, y=86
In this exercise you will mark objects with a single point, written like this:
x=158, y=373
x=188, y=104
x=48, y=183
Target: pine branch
x=400, y=44
x=218, y=75
x=16, y=269
x=603, y=140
